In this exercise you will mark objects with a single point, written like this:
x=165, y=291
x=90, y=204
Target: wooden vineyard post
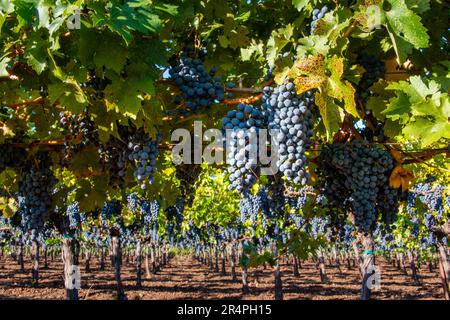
x=278, y=283
x=117, y=258
x=444, y=269
x=367, y=265
x=233, y=262
x=35, y=258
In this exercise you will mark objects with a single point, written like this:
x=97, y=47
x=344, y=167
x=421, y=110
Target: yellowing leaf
x=401, y=177
x=397, y=155
x=308, y=73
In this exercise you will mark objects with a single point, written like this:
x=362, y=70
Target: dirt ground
x=185, y=278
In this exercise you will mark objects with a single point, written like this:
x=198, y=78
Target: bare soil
x=185, y=278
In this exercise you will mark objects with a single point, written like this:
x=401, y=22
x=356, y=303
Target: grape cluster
x=11, y=156
x=297, y=219
x=387, y=204
x=346, y=235
x=79, y=132
x=354, y=176
x=73, y=213
x=375, y=70
x=269, y=72
x=187, y=174
x=318, y=227
x=316, y=15
x=432, y=196
x=36, y=189
x=274, y=202
x=143, y=153
x=297, y=200
x=150, y=210
x=96, y=84
x=383, y=238
x=242, y=126
x=114, y=157
x=133, y=202
x=111, y=209
x=428, y=241
x=290, y=119
x=415, y=227
x=200, y=88
x=174, y=215
x=249, y=206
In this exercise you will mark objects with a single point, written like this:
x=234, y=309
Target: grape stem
x=37, y=101
x=10, y=77
x=352, y=28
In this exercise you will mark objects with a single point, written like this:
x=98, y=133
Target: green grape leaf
x=421, y=106
x=85, y=162
x=36, y=54
x=108, y=43
x=341, y=89
x=90, y=193
x=25, y=9
x=299, y=4
x=127, y=94
x=405, y=29
x=332, y=115
x=418, y=6
x=3, y=64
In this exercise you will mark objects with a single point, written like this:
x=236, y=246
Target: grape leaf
x=127, y=94
x=422, y=107
x=25, y=9
x=316, y=72
x=405, y=29
x=108, y=43
x=3, y=64
x=299, y=4
x=332, y=115
x=90, y=193
x=36, y=54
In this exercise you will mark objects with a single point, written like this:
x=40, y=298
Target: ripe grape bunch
x=187, y=174
x=374, y=70
x=175, y=215
x=200, y=88
x=316, y=15
x=133, y=202
x=297, y=200
x=355, y=176
x=432, y=196
x=150, y=210
x=249, y=206
x=79, y=132
x=74, y=216
x=143, y=153
x=242, y=127
x=272, y=197
x=36, y=188
x=290, y=120
x=114, y=157
x=110, y=209
x=11, y=156
x=96, y=84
